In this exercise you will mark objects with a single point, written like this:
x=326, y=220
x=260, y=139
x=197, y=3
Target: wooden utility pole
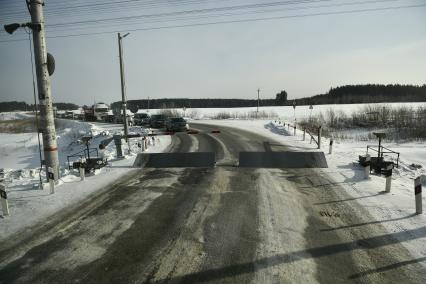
x=47, y=121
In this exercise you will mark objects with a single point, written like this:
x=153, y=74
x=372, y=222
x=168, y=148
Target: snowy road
x=224, y=224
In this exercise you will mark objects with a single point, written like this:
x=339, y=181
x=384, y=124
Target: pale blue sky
x=305, y=56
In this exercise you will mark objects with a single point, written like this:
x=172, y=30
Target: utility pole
x=258, y=98
x=148, y=103
x=123, y=85
x=47, y=121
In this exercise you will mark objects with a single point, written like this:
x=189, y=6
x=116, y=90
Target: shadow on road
x=350, y=199
x=386, y=268
x=368, y=223
x=263, y=263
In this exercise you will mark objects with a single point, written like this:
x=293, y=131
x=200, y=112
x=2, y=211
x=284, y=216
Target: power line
x=239, y=21
x=134, y=22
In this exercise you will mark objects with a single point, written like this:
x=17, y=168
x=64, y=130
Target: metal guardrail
x=381, y=152
x=84, y=153
x=305, y=130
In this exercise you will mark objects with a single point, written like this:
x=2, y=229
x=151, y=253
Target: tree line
x=134, y=105
x=349, y=94
x=370, y=93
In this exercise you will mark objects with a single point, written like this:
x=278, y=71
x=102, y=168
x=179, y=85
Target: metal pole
x=123, y=86
x=47, y=121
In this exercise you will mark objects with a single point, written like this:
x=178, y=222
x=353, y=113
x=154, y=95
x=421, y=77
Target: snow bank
x=20, y=161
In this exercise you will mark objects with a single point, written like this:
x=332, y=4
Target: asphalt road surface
x=224, y=224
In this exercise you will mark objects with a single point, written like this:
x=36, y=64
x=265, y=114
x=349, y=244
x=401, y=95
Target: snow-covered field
x=283, y=112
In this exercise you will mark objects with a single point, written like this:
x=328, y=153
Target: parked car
x=157, y=121
x=176, y=124
x=141, y=119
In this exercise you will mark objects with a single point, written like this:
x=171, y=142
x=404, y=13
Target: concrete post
x=82, y=172
x=288, y=125
x=388, y=175
x=330, y=150
x=295, y=130
x=3, y=198
x=50, y=174
x=418, y=195
x=47, y=120
x=367, y=166
x=123, y=86
x=304, y=134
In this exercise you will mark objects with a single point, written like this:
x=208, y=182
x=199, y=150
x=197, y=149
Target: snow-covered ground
x=13, y=115
x=395, y=210
x=20, y=163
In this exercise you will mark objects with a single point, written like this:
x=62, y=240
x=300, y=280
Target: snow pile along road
x=20, y=164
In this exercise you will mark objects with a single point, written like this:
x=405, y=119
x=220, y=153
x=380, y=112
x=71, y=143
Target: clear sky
x=303, y=55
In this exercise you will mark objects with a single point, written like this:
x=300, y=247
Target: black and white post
x=367, y=165
x=418, y=194
x=388, y=175
x=82, y=171
x=330, y=148
x=3, y=198
x=50, y=174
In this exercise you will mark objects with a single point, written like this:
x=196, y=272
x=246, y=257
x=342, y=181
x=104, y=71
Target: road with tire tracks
x=222, y=225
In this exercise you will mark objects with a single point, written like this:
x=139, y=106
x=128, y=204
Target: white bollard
x=418, y=195
x=153, y=141
x=330, y=149
x=51, y=177
x=294, y=130
x=388, y=176
x=82, y=173
x=367, y=166
x=3, y=198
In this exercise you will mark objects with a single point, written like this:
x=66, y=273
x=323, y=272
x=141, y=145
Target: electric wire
x=122, y=22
